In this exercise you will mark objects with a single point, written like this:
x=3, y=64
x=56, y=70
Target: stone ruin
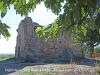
x=27, y=43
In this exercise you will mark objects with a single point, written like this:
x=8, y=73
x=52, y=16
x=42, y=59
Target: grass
x=29, y=73
x=72, y=66
x=45, y=73
x=40, y=73
x=51, y=72
x=3, y=58
x=97, y=67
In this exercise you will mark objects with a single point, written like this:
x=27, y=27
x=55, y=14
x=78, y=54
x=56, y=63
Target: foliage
x=97, y=50
x=21, y=6
x=79, y=18
x=4, y=30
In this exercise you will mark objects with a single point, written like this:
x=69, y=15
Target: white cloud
x=7, y=46
x=40, y=15
x=41, y=8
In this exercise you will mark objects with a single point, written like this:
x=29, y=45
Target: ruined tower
x=27, y=43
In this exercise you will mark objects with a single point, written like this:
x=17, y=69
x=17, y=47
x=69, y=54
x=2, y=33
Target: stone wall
x=27, y=43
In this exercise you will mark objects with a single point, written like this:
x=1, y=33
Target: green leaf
x=2, y=14
x=85, y=32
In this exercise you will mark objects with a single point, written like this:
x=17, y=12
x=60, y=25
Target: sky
x=40, y=15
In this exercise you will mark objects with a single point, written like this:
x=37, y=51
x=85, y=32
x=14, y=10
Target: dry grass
x=72, y=64
x=61, y=69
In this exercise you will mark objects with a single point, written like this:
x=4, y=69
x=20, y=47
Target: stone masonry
x=27, y=43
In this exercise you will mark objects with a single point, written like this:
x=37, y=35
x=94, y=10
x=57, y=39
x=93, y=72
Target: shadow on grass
x=13, y=64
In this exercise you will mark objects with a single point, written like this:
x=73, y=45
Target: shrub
x=29, y=59
x=48, y=61
x=77, y=59
x=96, y=50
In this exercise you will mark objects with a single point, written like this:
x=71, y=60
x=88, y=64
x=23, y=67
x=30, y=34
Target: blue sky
x=40, y=15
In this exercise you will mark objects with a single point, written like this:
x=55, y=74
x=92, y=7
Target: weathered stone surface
x=38, y=49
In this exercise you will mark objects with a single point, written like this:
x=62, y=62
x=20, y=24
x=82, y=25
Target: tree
x=79, y=18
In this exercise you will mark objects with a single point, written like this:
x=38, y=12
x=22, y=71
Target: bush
x=77, y=59
x=65, y=61
x=48, y=61
x=96, y=50
x=29, y=59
